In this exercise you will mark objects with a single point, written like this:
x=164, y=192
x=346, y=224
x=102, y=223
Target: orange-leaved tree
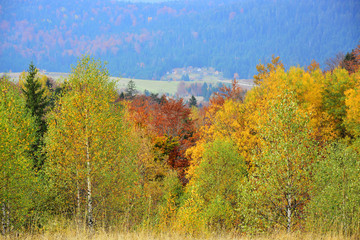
x=167, y=121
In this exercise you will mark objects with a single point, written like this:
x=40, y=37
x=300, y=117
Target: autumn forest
x=281, y=156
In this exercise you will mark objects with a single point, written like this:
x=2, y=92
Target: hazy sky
x=148, y=1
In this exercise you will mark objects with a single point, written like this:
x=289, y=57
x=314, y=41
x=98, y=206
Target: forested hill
x=146, y=40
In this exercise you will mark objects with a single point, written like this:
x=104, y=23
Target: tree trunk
x=90, y=222
x=344, y=183
x=3, y=218
x=78, y=211
x=8, y=219
x=90, y=218
x=288, y=212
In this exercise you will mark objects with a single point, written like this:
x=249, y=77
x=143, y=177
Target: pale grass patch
x=147, y=235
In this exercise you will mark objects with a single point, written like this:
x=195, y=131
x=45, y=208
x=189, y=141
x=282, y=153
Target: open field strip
x=153, y=86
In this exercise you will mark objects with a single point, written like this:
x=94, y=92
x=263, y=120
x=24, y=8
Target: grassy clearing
x=58, y=76
x=154, y=86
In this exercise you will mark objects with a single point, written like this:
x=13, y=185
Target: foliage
x=352, y=102
x=309, y=89
x=147, y=40
x=171, y=200
x=335, y=86
x=212, y=190
x=264, y=71
x=83, y=168
x=192, y=101
x=130, y=91
x=336, y=194
x=167, y=122
x=351, y=61
x=36, y=103
x=249, y=162
x=17, y=182
x=282, y=178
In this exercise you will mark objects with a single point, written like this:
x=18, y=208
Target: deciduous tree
x=211, y=197
x=91, y=148
x=336, y=191
x=282, y=179
x=17, y=131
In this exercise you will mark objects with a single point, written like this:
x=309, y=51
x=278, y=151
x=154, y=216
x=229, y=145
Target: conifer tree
x=192, y=101
x=36, y=103
x=130, y=90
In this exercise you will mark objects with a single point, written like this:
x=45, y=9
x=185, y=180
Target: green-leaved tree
x=16, y=177
x=282, y=179
x=211, y=195
x=336, y=194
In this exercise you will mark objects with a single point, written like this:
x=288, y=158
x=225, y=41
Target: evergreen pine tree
x=36, y=103
x=130, y=91
x=192, y=101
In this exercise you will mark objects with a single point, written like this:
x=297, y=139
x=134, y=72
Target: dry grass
x=102, y=235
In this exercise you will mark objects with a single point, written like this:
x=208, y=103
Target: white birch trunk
x=3, y=218
x=289, y=213
x=89, y=197
x=288, y=195
x=90, y=218
x=8, y=218
x=78, y=211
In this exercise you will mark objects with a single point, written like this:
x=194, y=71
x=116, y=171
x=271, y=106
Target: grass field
x=101, y=235
x=153, y=86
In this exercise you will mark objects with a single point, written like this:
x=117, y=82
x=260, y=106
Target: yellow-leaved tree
x=92, y=151
x=211, y=195
x=283, y=176
x=352, y=119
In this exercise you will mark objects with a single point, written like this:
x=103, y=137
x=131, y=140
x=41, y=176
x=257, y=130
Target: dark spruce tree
x=192, y=101
x=36, y=103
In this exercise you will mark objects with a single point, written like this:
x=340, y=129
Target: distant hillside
x=199, y=88
x=147, y=40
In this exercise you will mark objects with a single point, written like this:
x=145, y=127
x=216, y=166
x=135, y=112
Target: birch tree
x=336, y=194
x=16, y=178
x=91, y=153
x=210, y=200
x=282, y=178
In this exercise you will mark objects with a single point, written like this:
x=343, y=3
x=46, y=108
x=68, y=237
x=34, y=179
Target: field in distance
x=153, y=86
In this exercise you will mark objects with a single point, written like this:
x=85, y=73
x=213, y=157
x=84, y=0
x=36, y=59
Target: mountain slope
x=146, y=40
